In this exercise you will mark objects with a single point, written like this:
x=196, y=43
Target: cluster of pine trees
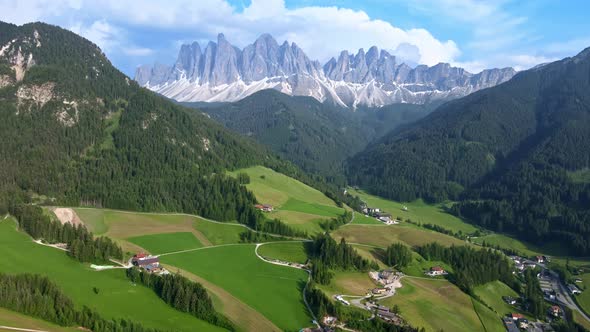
x=182, y=294
x=334, y=223
x=326, y=254
x=36, y=296
x=278, y=227
x=472, y=267
x=82, y=245
x=533, y=296
x=398, y=255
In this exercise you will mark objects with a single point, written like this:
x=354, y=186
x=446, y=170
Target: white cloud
x=321, y=31
x=138, y=51
x=102, y=33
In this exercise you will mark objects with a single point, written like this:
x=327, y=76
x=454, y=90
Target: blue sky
x=474, y=34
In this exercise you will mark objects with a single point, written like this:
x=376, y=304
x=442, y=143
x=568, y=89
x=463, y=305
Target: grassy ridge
x=117, y=297
x=272, y=290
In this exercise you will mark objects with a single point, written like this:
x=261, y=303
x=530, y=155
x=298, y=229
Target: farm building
x=264, y=207
x=574, y=290
x=149, y=263
x=509, y=299
x=516, y=316
x=436, y=271
x=388, y=316
x=555, y=311
x=378, y=291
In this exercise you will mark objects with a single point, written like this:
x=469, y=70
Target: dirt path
x=67, y=215
x=9, y=328
x=204, y=240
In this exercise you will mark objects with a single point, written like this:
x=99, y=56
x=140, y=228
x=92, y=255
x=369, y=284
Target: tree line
x=36, y=296
x=81, y=243
x=181, y=294
x=471, y=267
x=326, y=254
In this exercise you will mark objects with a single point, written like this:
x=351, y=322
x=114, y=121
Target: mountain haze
x=223, y=72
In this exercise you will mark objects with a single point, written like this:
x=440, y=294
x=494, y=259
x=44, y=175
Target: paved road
x=563, y=296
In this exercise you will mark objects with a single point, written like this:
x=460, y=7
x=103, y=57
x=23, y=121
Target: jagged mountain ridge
x=223, y=72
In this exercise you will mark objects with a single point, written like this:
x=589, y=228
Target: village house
x=516, y=316
x=436, y=271
x=510, y=325
x=516, y=259
x=264, y=207
x=379, y=291
x=540, y=259
x=555, y=311
x=509, y=299
x=329, y=320
x=574, y=290
x=388, y=316
x=386, y=277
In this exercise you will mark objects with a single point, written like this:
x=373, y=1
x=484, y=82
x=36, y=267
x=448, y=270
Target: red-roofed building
x=436, y=271
x=555, y=310
x=517, y=316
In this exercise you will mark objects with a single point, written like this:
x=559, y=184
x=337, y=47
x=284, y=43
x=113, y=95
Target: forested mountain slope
x=75, y=128
x=516, y=154
x=316, y=136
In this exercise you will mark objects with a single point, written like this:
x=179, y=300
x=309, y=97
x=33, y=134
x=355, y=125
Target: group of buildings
x=148, y=263
x=384, y=217
x=385, y=278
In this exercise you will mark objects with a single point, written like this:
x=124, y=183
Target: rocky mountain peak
x=223, y=72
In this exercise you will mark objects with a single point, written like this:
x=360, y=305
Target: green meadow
x=167, y=242
x=274, y=291
x=117, y=297
x=14, y=319
x=295, y=203
x=435, y=305
x=491, y=294
x=418, y=211
x=285, y=251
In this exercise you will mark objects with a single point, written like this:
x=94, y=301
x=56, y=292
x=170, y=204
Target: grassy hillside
x=16, y=320
x=295, y=203
x=167, y=242
x=418, y=211
x=435, y=305
x=491, y=294
x=117, y=297
x=272, y=290
x=285, y=251
x=383, y=236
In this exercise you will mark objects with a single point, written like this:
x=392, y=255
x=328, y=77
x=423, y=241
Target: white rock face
x=222, y=72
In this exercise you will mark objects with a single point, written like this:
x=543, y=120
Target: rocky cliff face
x=222, y=72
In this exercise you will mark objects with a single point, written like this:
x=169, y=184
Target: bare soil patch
x=67, y=215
